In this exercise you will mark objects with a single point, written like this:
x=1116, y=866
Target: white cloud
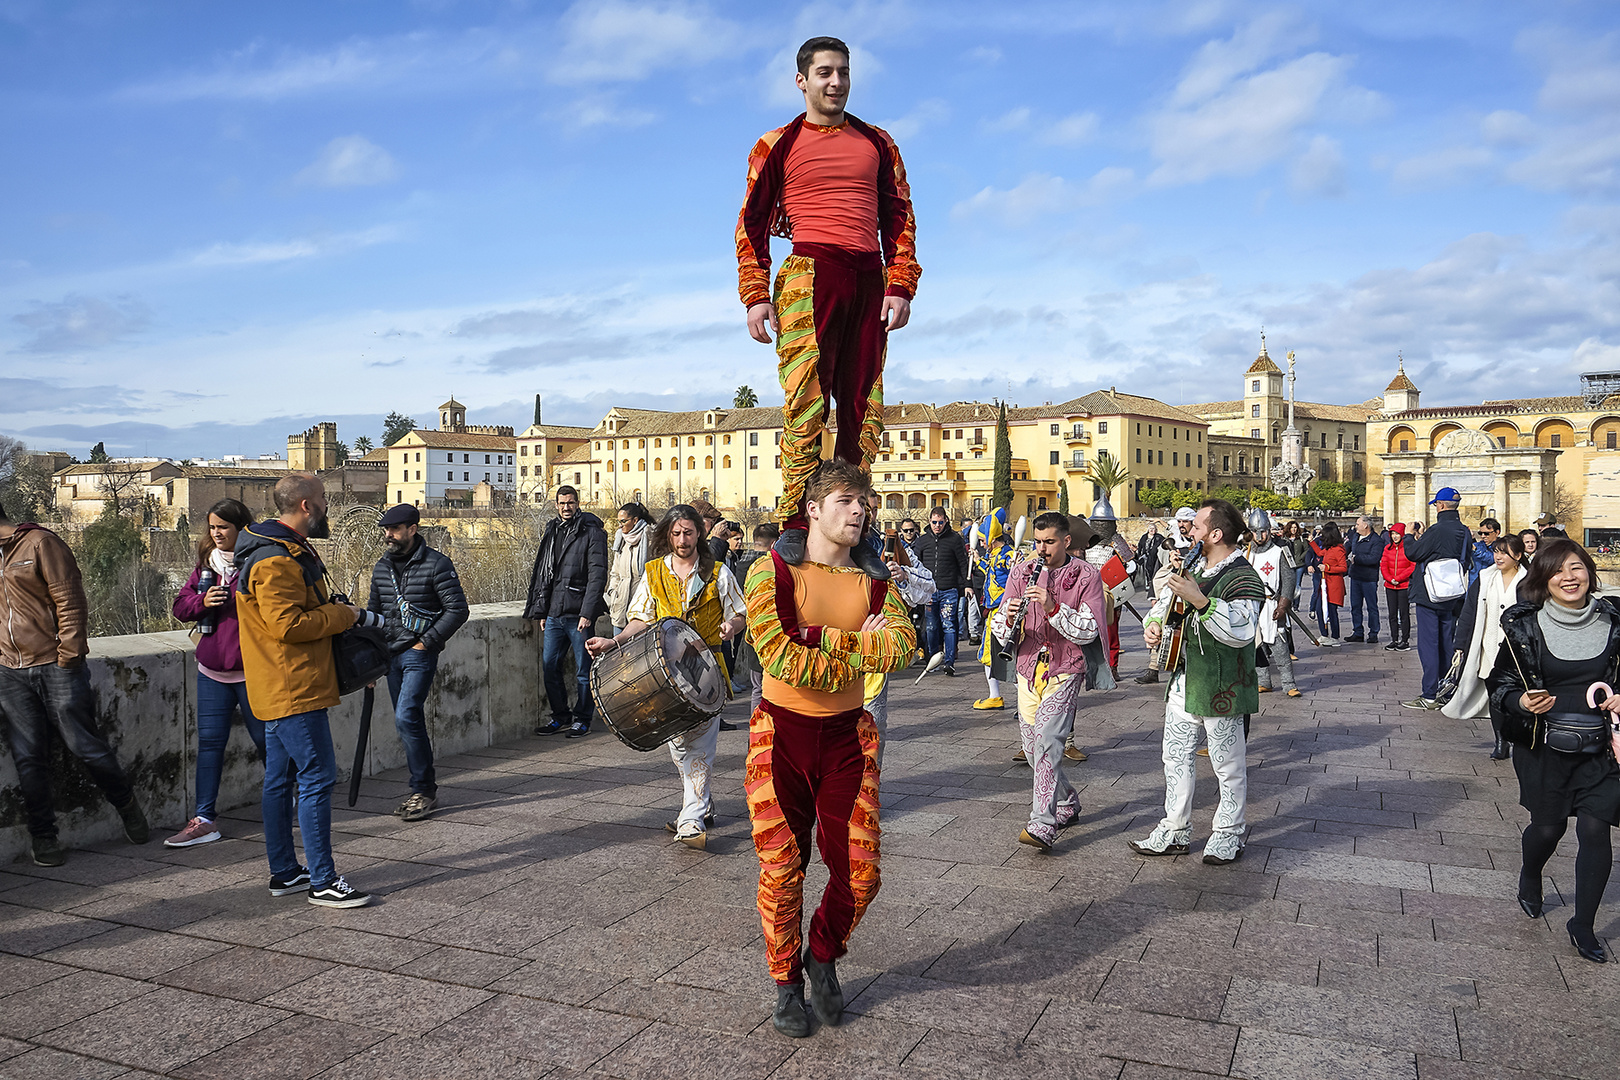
x=1011, y=120
x=274, y=251
x=247, y=75
x=1218, y=63
x=349, y=161
x=1043, y=194
x=618, y=41
x=1246, y=125
x=1320, y=169
x=1070, y=130
x=1505, y=127
x=76, y=322
x=1595, y=355
x=927, y=114
x=1443, y=167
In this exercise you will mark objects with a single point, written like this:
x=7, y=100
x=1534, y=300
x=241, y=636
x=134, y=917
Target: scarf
x=1573, y=634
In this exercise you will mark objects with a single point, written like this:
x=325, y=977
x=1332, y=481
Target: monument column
x=1538, y=478
x=1389, y=497
x=1500, y=495
x=1420, y=494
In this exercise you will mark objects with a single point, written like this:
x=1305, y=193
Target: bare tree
x=120, y=486
x=1566, y=503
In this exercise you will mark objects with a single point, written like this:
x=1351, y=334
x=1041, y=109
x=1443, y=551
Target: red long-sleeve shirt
x=839, y=193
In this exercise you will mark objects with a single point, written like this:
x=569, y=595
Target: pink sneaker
x=197, y=831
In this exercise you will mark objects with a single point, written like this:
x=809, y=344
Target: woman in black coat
x=1552, y=688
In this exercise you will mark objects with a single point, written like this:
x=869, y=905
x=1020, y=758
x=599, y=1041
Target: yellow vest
x=669, y=598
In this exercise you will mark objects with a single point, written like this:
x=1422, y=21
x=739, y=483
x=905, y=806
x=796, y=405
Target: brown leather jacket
x=44, y=618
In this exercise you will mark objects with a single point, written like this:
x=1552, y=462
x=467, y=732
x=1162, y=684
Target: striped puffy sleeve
x=886, y=650
x=761, y=206
x=795, y=658
x=897, y=222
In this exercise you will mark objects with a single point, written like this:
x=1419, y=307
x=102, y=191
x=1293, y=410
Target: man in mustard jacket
x=287, y=621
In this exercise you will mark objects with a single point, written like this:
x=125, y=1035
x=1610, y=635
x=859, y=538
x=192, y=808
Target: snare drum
x=657, y=685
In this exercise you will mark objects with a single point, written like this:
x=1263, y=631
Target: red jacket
x=1334, y=567
x=1396, y=567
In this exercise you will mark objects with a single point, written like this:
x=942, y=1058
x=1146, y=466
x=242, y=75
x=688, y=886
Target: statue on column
x=1292, y=476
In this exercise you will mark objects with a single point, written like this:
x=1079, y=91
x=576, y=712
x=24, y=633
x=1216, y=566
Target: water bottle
x=205, y=581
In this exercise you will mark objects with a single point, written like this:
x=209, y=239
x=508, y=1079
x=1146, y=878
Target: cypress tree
x=1001, y=493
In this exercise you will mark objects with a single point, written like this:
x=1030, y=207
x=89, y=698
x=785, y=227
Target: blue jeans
x=410, y=677
x=298, y=749
x=217, y=703
x=1435, y=628
x=1363, y=594
x=942, y=619
x=562, y=633
x=33, y=700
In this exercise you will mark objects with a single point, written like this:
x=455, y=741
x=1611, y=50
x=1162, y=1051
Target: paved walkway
x=543, y=924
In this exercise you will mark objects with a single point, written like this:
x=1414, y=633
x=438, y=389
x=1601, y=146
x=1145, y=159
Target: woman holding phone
x=1551, y=687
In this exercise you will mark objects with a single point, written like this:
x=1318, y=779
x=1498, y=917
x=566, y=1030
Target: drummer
x=683, y=581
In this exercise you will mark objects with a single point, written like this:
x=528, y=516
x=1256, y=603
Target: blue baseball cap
x=1445, y=494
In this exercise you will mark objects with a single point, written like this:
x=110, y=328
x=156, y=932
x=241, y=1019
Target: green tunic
x=1220, y=679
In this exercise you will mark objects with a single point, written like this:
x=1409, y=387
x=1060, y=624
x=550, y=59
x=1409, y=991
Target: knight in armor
x=1103, y=547
x=683, y=581
x=1212, y=684
x=1274, y=562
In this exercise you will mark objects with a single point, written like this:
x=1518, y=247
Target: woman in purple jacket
x=221, y=685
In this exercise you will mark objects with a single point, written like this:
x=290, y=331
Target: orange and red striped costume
x=840, y=194
x=812, y=747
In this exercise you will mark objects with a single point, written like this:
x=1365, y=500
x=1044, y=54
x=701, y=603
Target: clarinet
x=1015, y=633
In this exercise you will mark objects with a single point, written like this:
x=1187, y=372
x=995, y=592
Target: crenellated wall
x=487, y=691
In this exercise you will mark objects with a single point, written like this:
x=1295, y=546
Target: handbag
x=1576, y=733
x=1450, y=680
x=360, y=655
x=1445, y=579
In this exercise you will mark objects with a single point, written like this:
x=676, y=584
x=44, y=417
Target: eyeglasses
x=909, y=532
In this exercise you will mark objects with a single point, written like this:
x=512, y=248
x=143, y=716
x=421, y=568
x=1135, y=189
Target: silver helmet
x=1258, y=521
x=1103, y=510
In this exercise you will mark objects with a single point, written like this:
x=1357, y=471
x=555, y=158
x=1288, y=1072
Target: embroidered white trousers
x=694, y=757
x=1227, y=756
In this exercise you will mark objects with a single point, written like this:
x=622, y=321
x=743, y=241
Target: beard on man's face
x=320, y=526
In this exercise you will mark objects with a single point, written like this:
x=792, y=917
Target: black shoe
x=869, y=560
x=1355, y=639
x=1406, y=646
x=726, y=725
x=48, y=851
x=790, y=545
x=1586, y=943
x=553, y=728
x=1393, y=646
x=1529, y=900
x=136, y=830
x=296, y=882
x=790, y=1018
x=949, y=669
x=1501, y=751
x=1148, y=677
x=826, y=996
x=1372, y=639
x=339, y=894
x=579, y=731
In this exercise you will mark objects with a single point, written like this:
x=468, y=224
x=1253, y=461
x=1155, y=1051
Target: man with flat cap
x=418, y=594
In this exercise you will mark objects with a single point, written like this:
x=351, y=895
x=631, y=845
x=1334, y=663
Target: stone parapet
x=487, y=691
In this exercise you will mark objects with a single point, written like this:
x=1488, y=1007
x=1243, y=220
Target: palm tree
x=745, y=398
x=1107, y=473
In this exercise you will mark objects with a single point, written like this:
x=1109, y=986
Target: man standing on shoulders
x=835, y=185
x=1272, y=561
x=418, y=593
x=819, y=628
x=941, y=551
x=1062, y=601
x=566, y=594
x=1364, y=551
x=1212, y=688
x=287, y=621
x=45, y=684
x=1447, y=540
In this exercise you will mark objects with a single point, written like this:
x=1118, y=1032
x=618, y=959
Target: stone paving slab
x=543, y=923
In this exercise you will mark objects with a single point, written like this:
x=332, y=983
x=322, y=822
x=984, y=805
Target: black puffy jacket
x=431, y=586
x=1521, y=653
x=945, y=556
x=570, y=570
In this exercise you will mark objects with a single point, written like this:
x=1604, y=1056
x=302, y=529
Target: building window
x=1102, y=427
x=708, y=462
x=778, y=461
x=1324, y=440
x=1161, y=457
x=524, y=470
x=1355, y=470
x=1139, y=455
x=466, y=459
x=753, y=438
x=418, y=455
x=1254, y=433
x=466, y=477
x=691, y=462
x=598, y=444
x=1324, y=470
x=1055, y=457
x=958, y=433
x=1355, y=443
x=486, y=478
x=407, y=476
x=641, y=464
x=1254, y=410
x=691, y=440
x=1226, y=463
x=1340, y=445
x=1405, y=445
x=1254, y=387
x=727, y=439
x=978, y=438
x=753, y=461
x=1608, y=445
x=419, y=474
x=1041, y=504
x=1200, y=461
x=1175, y=433
x=1175, y=460
x=399, y=496
x=1557, y=440
x=1054, y=429
x=524, y=450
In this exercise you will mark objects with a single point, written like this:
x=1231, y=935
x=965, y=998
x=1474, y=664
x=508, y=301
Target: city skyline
x=223, y=228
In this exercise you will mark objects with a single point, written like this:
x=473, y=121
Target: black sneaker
x=826, y=996
x=869, y=560
x=136, y=830
x=339, y=894
x=295, y=882
x=1372, y=639
x=578, y=731
x=1148, y=677
x=949, y=669
x=552, y=728
x=1393, y=646
x=790, y=545
x=48, y=851
x=1355, y=639
x=790, y=1018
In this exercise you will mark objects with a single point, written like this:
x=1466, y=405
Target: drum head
x=691, y=665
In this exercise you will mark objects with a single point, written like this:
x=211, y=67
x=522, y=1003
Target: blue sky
x=219, y=223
